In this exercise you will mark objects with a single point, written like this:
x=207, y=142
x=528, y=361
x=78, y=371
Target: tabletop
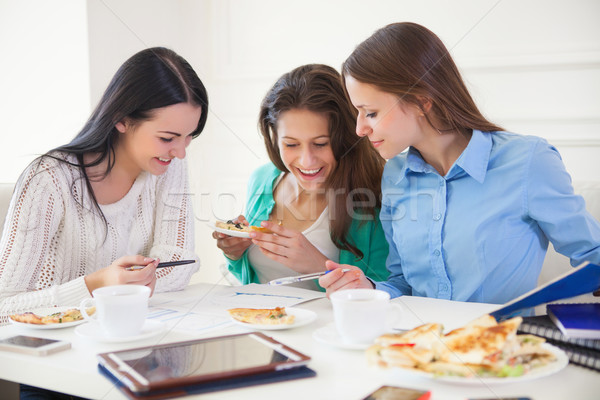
x=341, y=373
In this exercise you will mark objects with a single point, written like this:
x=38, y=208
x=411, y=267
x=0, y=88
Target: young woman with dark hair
x=321, y=194
x=469, y=209
x=114, y=197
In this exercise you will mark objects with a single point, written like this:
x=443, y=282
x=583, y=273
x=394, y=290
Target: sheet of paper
x=203, y=308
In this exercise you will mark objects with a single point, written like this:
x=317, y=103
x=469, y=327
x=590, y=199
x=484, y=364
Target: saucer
x=329, y=335
x=93, y=332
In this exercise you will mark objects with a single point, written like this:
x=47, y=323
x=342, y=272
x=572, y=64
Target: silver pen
x=300, y=278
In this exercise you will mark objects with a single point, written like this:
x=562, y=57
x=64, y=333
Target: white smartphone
x=33, y=345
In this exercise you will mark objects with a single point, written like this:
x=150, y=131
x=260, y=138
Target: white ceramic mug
x=120, y=310
x=361, y=315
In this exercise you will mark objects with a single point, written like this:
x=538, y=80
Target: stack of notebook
x=581, y=345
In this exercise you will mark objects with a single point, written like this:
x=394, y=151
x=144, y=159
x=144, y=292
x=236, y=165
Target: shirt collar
x=473, y=160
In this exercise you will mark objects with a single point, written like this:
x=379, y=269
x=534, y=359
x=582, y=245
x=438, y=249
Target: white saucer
x=92, y=331
x=330, y=336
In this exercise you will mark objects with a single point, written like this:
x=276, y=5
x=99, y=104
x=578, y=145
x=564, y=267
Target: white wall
x=533, y=67
x=44, y=79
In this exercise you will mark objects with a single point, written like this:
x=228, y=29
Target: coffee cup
x=120, y=310
x=361, y=315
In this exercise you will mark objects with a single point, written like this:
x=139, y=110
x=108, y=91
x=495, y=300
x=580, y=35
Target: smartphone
x=33, y=345
x=398, y=393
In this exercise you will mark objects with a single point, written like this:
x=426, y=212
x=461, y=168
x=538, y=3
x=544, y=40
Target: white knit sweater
x=50, y=242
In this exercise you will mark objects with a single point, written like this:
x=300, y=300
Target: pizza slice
x=60, y=317
x=238, y=227
x=264, y=316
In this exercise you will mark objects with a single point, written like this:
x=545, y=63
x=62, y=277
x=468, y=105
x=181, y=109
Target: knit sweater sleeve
x=30, y=277
x=173, y=237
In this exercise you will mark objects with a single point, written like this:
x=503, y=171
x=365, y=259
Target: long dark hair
x=151, y=79
x=318, y=88
x=410, y=61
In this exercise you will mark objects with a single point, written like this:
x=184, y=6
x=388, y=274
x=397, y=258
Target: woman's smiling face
x=305, y=147
x=151, y=145
x=391, y=125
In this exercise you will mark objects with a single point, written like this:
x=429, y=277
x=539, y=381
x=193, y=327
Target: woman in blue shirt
x=468, y=210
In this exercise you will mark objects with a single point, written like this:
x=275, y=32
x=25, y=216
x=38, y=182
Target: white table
x=341, y=374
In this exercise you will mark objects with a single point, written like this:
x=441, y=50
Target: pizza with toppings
x=238, y=227
x=59, y=317
x=264, y=316
x=481, y=348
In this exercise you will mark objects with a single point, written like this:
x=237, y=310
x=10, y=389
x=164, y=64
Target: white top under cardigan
x=318, y=234
x=49, y=242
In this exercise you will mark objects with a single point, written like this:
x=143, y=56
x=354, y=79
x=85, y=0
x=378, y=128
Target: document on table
x=203, y=307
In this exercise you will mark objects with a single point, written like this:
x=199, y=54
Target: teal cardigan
x=367, y=235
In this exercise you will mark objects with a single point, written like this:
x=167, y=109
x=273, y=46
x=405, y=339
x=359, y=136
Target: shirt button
x=436, y=253
x=443, y=287
x=437, y=217
x=442, y=182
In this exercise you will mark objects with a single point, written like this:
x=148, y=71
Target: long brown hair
x=410, y=61
x=318, y=88
x=149, y=80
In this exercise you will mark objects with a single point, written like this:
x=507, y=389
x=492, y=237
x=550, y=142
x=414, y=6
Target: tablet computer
x=193, y=362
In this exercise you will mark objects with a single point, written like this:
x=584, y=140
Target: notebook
x=542, y=325
x=576, y=320
x=583, y=279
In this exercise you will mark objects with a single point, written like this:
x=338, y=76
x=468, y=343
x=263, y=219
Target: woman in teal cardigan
x=320, y=196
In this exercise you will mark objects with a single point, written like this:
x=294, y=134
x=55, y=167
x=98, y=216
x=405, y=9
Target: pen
x=163, y=264
x=300, y=278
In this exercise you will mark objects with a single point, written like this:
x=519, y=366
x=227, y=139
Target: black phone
x=398, y=393
x=504, y=398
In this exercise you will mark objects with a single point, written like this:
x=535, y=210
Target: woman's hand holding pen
x=339, y=280
x=233, y=247
x=117, y=273
x=289, y=247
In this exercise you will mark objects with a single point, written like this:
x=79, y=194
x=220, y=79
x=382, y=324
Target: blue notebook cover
x=576, y=320
x=583, y=279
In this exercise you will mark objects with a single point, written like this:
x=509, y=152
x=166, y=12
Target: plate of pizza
x=271, y=319
x=483, y=352
x=50, y=318
x=231, y=228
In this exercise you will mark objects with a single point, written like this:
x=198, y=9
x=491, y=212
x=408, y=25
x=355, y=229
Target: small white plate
x=47, y=311
x=228, y=232
x=303, y=317
x=330, y=336
x=94, y=332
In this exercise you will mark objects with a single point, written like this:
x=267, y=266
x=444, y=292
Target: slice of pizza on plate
x=262, y=316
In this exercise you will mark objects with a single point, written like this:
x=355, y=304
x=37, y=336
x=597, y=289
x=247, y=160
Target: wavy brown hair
x=354, y=186
x=410, y=61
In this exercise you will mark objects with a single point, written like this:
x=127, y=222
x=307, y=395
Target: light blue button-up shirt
x=481, y=232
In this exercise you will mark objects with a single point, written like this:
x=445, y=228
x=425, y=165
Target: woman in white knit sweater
x=117, y=195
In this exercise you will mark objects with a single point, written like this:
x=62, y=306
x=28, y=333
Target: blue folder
x=583, y=279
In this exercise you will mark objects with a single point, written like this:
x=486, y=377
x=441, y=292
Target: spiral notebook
x=542, y=325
